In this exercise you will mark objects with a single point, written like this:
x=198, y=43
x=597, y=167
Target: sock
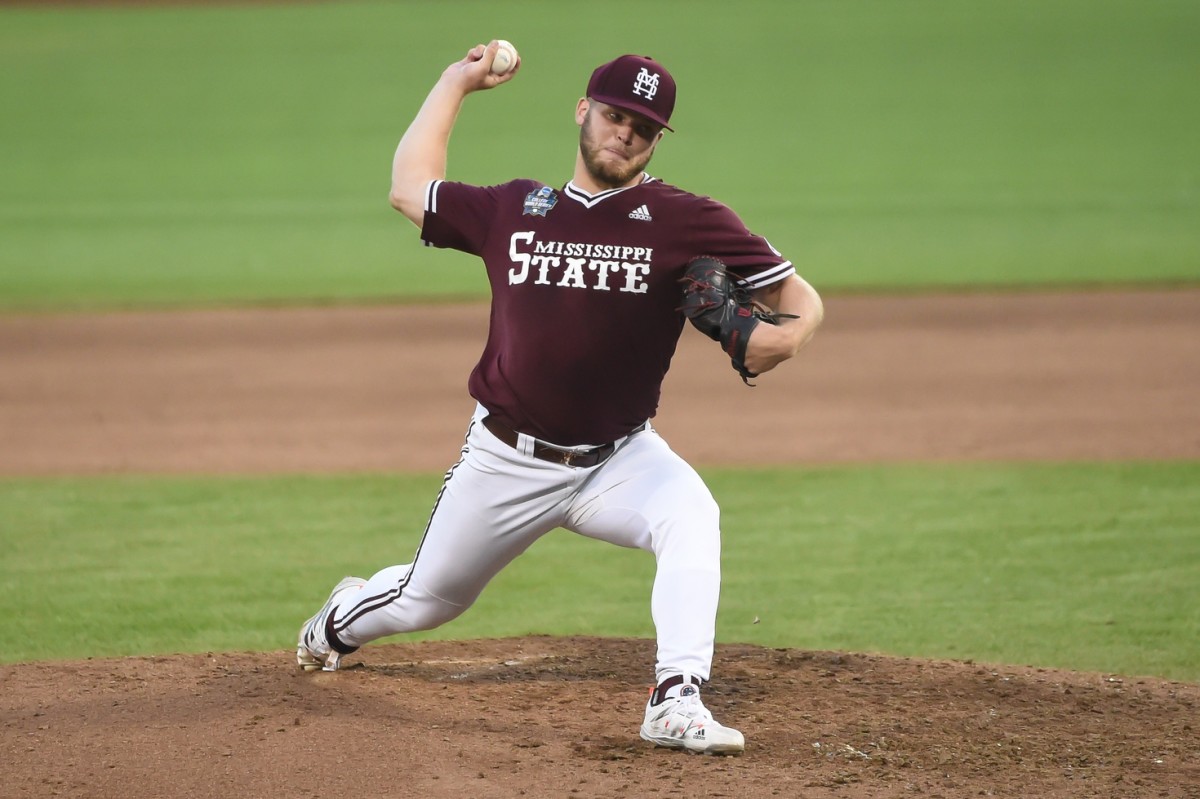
x=670, y=687
x=331, y=637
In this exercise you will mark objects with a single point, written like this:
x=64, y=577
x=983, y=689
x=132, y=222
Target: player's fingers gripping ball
x=506, y=58
x=721, y=310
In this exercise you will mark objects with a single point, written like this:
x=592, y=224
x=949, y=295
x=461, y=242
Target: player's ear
x=581, y=109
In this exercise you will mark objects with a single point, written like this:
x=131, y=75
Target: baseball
x=506, y=58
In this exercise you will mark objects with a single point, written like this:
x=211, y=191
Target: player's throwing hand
x=475, y=71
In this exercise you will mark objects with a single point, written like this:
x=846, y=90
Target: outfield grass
x=1091, y=567
x=240, y=154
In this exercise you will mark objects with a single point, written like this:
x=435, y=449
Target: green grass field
x=229, y=155
x=1080, y=566
x=233, y=155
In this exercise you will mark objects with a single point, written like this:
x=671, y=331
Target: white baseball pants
x=496, y=502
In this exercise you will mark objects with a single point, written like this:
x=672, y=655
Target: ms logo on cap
x=646, y=84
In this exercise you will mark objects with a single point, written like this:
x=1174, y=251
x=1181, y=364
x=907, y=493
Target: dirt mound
x=548, y=717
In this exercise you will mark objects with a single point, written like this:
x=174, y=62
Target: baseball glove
x=723, y=311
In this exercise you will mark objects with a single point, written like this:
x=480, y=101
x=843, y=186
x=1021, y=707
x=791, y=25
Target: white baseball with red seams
x=506, y=58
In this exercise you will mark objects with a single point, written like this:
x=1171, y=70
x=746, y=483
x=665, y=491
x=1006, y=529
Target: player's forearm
x=421, y=155
x=771, y=345
x=798, y=298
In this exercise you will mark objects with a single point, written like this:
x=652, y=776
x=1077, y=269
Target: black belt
x=582, y=458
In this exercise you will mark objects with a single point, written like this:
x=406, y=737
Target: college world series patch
x=539, y=203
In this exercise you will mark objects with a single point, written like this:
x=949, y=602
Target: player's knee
x=433, y=613
x=691, y=537
x=697, y=511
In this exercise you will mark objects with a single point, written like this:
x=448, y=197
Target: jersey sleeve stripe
x=769, y=276
x=431, y=196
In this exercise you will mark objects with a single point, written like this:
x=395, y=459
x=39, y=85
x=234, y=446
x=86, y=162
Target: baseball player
x=587, y=284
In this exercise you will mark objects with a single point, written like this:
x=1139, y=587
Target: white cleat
x=685, y=723
x=312, y=650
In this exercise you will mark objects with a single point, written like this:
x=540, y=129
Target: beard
x=608, y=173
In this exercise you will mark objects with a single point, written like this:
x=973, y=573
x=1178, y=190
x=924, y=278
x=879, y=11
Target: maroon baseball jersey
x=585, y=294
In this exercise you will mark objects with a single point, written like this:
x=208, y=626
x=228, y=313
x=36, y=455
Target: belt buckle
x=568, y=456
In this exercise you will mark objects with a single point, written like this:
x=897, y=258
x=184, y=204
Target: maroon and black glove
x=723, y=311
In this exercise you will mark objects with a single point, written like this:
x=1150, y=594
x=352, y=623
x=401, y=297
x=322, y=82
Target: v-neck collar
x=589, y=200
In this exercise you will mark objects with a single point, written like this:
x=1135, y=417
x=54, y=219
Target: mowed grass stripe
x=1091, y=567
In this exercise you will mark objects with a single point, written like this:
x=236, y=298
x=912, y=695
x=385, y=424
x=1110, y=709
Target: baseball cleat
x=685, y=723
x=312, y=650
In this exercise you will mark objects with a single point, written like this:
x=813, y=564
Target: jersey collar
x=589, y=200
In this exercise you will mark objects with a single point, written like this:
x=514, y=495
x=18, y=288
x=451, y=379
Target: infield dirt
x=1057, y=376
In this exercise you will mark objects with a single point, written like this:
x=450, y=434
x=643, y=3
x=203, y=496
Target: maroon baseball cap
x=635, y=83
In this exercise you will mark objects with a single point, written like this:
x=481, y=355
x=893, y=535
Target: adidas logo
x=642, y=213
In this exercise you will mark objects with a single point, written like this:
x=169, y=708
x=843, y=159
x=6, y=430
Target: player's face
x=616, y=144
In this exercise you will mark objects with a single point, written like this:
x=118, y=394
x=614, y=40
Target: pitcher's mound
x=552, y=717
